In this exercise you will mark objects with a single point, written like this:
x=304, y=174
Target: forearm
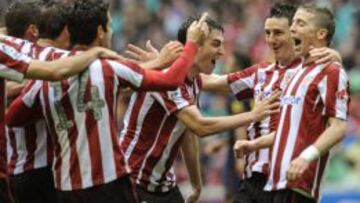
x=215, y=84
x=331, y=136
x=191, y=156
x=62, y=68
x=14, y=88
x=241, y=133
x=212, y=125
x=175, y=76
x=264, y=141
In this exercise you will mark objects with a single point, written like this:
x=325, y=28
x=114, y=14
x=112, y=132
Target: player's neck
x=45, y=42
x=49, y=42
x=192, y=73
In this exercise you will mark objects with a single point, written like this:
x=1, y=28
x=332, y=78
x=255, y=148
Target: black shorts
x=172, y=196
x=251, y=190
x=290, y=196
x=120, y=190
x=35, y=186
x=4, y=192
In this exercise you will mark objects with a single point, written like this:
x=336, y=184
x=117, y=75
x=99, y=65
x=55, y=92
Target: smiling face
x=278, y=38
x=209, y=52
x=304, y=32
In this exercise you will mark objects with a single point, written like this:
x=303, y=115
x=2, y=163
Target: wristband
x=311, y=153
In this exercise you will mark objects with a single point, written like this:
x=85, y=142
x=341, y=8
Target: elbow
x=342, y=127
x=59, y=75
x=200, y=129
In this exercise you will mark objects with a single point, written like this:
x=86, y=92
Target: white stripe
x=274, y=156
x=295, y=122
x=144, y=109
x=242, y=84
x=341, y=105
x=159, y=168
x=106, y=143
x=10, y=74
x=138, y=180
x=82, y=143
x=126, y=73
x=128, y=112
x=29, y=97
x=40, y=153
x=20, y=143
x=62, y=138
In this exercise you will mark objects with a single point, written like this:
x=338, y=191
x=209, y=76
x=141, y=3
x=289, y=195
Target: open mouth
x=213, y=61
x=297, y=41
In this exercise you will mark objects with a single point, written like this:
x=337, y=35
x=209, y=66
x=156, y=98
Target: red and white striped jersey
x=314, y=95
x=152, y=134
x=13, y=66
x=29, y=147
x=81, y=114
x=262, y=79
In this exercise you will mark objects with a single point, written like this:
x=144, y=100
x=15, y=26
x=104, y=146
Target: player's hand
x=198, y=30
x=297, y=168
x=266, y=106
x=324, y=55
x=243, y=147
x=142, y=55
x=194, y=196
x=170, y=52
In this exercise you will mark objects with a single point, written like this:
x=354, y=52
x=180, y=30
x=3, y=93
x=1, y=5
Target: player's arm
x=215, y=83
x=63, y=68
x=240, y=134
x=330, y=137
x=14, y=88
x=21, y=113
x=325, y=55
x=336, y=101
x=175, y=76
x=151, y=58
x=191, y=156
x=204, y=126
x=244, y=147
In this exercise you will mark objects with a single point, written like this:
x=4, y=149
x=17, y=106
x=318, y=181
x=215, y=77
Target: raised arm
x=175, y=76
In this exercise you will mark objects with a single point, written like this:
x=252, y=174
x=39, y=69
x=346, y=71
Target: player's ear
x=100, y=32
x=322, y=33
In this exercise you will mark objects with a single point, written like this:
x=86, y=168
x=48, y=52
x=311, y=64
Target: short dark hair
x=54, y=17
x=324, y=18
x=283, y=10
x=84, y=20
x=212, y=24
x=19, y=15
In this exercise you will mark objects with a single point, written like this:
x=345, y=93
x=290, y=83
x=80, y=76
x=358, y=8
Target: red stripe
x=285, y=131
x=147, y=137
x=130, y=131
x=93, y=139
x=30, y=141
x=170, y=160
x=331, y=88
x=14, y=156
x=57, y=147
x=160, y=145
x=73, y=134
x=3, y=152
x=109, y=76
